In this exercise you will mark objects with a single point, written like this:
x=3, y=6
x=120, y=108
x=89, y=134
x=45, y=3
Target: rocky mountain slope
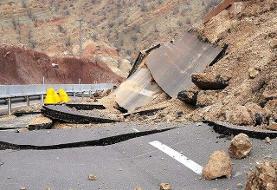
x=126, y=26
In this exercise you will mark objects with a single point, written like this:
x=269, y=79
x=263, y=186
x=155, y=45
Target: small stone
x=22, y=130
x=91, y=177
x=239, y=185
x=219, y=165
x=252, y=72
x=165, y=186
x=268, y=140
x=23, y=188
x=240, y=146
x=138, y=188
x=179, y=114
x=273, y=44
x=272, y=126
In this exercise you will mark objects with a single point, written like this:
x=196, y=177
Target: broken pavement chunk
x=66, y=114
x=219, y=165
x=172, y=64
x=240, y=146
x=207, y=81
x=138, y=90
x=40, y=122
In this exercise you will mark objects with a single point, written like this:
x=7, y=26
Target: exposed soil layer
x=24, y=66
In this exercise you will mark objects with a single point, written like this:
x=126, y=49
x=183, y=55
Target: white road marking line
x=196, y=168
x=136, y=130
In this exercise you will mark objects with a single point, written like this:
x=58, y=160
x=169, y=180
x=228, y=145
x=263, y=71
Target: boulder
x=219, y=165
x=188, y=96
x=239, y=116
x=264, y=177
x=240, y=146
x=206, y=81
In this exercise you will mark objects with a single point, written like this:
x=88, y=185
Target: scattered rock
x=264, y=177
x=270, y=91
x=219, y=165
x=23, y=188
x=252, y=72
x=206, y=81
x=22, y=130
x=272, y=126
x=273, y=44
x=239, y=116
x=92, y=177
x=179, y=114
x=188, y=96
x=40, y=122
x=268, y=140
x=165, y=186
x=240, y=146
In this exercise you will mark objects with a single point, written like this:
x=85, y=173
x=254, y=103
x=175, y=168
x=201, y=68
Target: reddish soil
x=25, y=66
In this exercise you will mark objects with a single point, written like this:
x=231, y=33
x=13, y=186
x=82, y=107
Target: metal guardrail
x=9, y=92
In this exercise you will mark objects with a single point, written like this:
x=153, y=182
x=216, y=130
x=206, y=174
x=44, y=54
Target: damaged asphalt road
x=127, y=164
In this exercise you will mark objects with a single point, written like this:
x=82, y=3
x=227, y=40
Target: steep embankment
x=25, y=66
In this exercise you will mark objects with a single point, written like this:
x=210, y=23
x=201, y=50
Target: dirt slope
x=25, y=66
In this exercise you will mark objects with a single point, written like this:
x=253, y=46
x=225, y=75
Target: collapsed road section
x=166, y=69
x=66, y=114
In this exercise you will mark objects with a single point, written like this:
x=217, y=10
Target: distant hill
x=126, y=26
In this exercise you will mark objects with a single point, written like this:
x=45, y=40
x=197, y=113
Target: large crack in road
x=100, y=142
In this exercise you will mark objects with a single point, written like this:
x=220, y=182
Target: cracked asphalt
x=122, y=165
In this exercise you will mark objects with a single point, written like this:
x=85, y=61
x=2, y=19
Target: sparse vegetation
x=128, y=25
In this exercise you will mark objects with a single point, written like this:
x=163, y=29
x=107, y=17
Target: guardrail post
x=28, y=100
x=9, y=106
x=89, y=93
x=82, y=95
x=41, y=97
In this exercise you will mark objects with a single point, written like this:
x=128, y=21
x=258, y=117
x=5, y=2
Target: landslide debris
x=264, y=176
x=250, y=61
